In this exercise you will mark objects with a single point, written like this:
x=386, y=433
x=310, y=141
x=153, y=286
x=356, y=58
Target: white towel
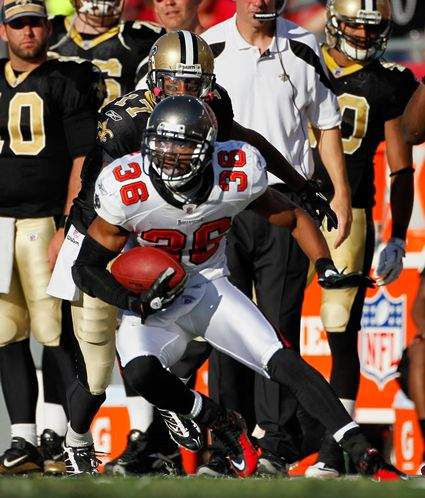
x=61, y=283
x=7, y=246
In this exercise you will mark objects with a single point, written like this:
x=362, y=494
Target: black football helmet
x=178, y=141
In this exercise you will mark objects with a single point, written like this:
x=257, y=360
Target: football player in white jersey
x=181, y=193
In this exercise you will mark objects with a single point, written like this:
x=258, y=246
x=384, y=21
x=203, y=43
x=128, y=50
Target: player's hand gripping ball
x=151, y=274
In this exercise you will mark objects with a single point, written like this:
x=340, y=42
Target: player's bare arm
x=282, y=212
x=399, y=155
x=413, y=121
x=331, y=152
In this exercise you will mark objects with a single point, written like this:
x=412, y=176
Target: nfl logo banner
x=382, y=338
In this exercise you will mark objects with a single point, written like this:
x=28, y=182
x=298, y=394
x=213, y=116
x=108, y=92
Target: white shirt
x=125, y=196
x=276, y=96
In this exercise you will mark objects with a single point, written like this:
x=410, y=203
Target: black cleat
x=330, y=463
x=217, y=466
x=52, y=452
x=21, y=458
x=271, y=465
x=185, y=432
x=138, y=459
x=371, y=463
x=80, y=460
x=231, y=432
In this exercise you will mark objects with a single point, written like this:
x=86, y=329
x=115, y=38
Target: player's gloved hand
x=330, y=278
x=159, y=295
x=390, y=262
x=317, y=205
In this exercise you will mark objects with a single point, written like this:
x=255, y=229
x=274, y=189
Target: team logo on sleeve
x=382, y=338
x=103, y=132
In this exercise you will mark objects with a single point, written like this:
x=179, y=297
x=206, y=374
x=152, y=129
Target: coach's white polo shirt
x=276, y=95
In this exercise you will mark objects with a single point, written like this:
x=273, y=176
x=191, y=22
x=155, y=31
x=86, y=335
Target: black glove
x=159, y=295
x=330, y=278
x=317, y=205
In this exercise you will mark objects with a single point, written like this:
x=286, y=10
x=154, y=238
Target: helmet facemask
x=377, y=28
x=176, y=159
x=106, y=12
x=186, y=80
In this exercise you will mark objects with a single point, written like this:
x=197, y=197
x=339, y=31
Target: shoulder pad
x=392, y=66
x=152, y=26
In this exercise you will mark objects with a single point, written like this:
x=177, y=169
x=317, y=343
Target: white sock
x=197, y=405
x=140, y=412
x=339, y=434
x=349, y=405
x=74, y=439
x=55, y=418
x=26, y=431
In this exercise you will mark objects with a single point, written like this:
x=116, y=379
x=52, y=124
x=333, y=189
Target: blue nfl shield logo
x=383, y=336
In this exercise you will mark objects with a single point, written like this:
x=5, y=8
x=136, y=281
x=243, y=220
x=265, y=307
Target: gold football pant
x=95, y=323
x=27, y=307
x=338, y=307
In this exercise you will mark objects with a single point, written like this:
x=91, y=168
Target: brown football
x=138, y=268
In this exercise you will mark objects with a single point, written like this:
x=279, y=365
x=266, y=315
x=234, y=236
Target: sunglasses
x=21, y=22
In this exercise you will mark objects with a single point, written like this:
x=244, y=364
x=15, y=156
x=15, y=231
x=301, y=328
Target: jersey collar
x=75, y=36
x=11, y=77
x=337, y=71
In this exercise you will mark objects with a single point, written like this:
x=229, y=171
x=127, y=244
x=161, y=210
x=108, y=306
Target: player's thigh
x=33, y=237
x=230, y=322
x=95, y=324
x=136, y=339
x=336, y=306
x=14, y=316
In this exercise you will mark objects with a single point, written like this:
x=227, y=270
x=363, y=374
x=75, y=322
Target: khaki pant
x=27, y=307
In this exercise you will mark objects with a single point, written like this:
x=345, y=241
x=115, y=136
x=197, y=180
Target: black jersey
x=117, y=52
x=47, y=118
x=120, y=128
x=368, y=95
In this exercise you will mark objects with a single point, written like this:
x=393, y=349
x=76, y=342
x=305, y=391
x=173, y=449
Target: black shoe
x=230, y=430
x=271, y=465
x=217, y=466
x=330, y=462
x=183, y=431
x=131, y=460
x=52, y=452
x=80, y=460
x=21, y=458
x=371, y=463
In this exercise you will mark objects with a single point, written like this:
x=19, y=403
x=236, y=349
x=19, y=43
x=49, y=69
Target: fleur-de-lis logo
x=103, y=132
x=23, y=2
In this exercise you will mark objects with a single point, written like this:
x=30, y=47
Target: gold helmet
x=180, y=56
x=375, y=15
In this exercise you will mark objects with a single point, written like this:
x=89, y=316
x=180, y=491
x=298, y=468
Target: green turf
x=204, y=488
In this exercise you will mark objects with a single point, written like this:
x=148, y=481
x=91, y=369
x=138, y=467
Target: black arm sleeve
x=91, y=276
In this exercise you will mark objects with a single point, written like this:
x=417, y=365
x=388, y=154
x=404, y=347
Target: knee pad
x=46, y=318
x=99, y=367
x=140, y=372
x=96, y=321
x=12, y=330
x=335, y=310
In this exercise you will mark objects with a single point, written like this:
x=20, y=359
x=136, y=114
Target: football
x=138, y=268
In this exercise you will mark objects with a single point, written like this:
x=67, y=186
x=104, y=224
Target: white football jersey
x=195, y=236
